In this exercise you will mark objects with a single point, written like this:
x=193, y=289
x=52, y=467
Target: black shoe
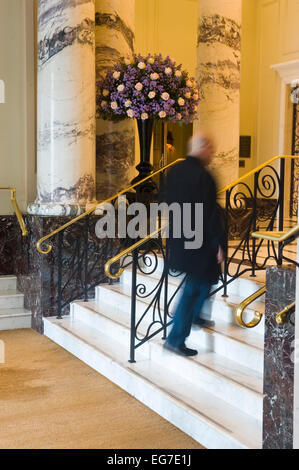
x=181, y=350
x=204, y=323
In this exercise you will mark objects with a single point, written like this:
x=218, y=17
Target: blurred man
x=190, y=182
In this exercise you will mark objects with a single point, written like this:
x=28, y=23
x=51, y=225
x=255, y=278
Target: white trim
x=288, y=72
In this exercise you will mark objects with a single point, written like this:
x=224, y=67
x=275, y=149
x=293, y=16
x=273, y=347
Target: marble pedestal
x=37, y=274
x=10, y=238
x=279, y=364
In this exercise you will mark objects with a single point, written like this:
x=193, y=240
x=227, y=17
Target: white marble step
x=11, y=298
x=223, y=309
x=207, y=419
x=14, y=319
x=225, y=379
x=233, y=342
x=8, y=283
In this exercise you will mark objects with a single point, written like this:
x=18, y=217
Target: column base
x=56, y=210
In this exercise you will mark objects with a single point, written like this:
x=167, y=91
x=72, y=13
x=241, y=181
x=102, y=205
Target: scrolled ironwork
x=80, y=255
x=153, y=312
x=267, y=184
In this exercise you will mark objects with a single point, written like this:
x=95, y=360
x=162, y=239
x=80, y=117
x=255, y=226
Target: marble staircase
x=216, y=397
x=13, y=315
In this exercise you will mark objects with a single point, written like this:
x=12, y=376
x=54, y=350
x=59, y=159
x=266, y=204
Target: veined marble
x=115, y=142
x=66, y=107
x=279, y=391
x=219, y=59
x=296, y=359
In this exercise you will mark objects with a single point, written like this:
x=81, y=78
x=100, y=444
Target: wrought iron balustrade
x=80, y=256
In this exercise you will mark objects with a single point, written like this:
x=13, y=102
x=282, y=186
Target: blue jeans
x=188, y=309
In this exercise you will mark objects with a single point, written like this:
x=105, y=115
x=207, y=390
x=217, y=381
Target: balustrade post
x=226, y=221
x=59, y=279
x=281, y=206
x=254, y=225
x=166, y=271
x=133, y=306
x=86, y=232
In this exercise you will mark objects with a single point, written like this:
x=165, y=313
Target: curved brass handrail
x=276, y=236
x=90, y=211
x=16, y=208
x=126, y=252
x=282, y=317
x=234, y=183
x=257, y=315
x=255, y=170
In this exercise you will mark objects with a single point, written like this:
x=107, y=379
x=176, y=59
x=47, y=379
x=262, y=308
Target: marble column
x=219, y=58
x=115, y=142
x=66, y=107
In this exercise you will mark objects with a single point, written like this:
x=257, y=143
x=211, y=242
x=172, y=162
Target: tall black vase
x=145, y=130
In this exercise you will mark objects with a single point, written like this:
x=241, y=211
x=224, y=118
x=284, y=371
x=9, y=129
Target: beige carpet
x=50, y=399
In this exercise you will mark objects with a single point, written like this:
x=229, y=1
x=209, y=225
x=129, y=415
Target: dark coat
x=190, y=182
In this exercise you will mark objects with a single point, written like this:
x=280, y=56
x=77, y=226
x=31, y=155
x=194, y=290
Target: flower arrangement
x=150, y=87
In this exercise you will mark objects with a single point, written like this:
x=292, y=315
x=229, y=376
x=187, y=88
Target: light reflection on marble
x=115, y=142
x=219, y=58
x=66, y=107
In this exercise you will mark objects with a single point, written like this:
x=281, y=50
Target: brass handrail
x=16, y=208
x=126, y=252
x=282, y=317
x=276, y=236
x=90, y=211
x=257, y=315
x=94, y=208
x=255, y=170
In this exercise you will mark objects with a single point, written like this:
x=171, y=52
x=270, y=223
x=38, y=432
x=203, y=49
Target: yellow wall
x=17, y=115
x=278, y=41
x=249, y=66
x=270, y=35
x=169, y=27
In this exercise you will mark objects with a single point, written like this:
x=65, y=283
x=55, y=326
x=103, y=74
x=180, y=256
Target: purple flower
x=177, y=85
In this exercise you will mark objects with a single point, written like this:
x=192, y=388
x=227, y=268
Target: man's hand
x=220, y=255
